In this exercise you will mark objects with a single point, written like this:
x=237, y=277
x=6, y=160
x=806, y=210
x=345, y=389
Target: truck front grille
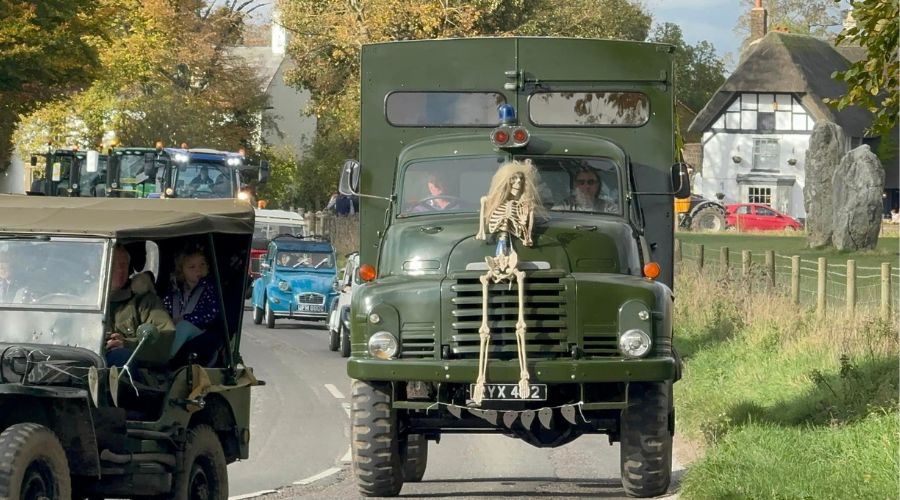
x=601, y=340
x=417, y=340
x=546, y=333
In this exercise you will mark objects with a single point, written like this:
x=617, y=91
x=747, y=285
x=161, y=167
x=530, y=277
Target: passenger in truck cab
x=588, y=194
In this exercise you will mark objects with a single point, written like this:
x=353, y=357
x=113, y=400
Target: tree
x=167, y=73
x=819, y=18
x=46, y=49
x=699, y=72
x=872, y=82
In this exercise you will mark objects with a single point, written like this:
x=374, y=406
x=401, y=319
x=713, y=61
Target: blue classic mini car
x=297, y=281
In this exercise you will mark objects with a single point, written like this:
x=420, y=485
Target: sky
x=710, y=20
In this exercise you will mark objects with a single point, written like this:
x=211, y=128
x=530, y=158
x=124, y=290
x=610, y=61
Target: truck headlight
x=634, y=343
x=383, y=345
x=284, y=286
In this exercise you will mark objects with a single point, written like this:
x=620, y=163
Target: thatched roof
x=791, y=64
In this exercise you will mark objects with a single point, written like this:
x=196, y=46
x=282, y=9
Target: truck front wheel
x=33, y=464
x=646, y=439
x=416, y=458
x=204, y=475
x=375, y=440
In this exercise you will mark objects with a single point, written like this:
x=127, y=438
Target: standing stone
x=857, y=187
x=826, y=148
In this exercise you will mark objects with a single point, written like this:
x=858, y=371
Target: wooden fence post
x=746, y=260
x=700, y=257
x=770, y=267
x=723, y=259
x=795, y=279
x=851, y=285
x=886, y=289
x=677, y=250
x=821, y=295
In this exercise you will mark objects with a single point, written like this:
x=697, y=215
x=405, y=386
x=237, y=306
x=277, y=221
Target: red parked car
x=759, y=217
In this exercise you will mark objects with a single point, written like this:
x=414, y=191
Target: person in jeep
x=132, y=303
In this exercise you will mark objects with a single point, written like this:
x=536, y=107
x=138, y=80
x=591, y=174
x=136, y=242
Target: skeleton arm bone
x=481, y=220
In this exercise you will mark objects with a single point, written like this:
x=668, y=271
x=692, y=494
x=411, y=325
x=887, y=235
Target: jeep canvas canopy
x=123, y=218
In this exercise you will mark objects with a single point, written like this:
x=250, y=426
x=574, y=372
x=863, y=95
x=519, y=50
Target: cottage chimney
x=758, y=21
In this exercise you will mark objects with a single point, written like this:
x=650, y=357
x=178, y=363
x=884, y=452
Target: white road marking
x=347, y=409
x=348, y=457
x=251, y=495
x=319, y=476
x=334, y=391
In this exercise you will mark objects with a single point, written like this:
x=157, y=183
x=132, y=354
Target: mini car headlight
x=383, y=345
x=634, y=343
x=284, y=286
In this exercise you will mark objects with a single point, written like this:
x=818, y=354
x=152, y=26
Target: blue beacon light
x=507, y=113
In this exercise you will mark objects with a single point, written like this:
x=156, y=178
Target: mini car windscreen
x=589, y=109
x=565, y=184
x=56, y=273
x=295, y=259
x=443, y=109
x=203, y=180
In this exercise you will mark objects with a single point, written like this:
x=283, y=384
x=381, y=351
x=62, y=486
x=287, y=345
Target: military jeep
x=74, y=427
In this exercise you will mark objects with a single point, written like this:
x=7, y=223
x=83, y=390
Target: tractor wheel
x=375, y=440
x=645, y=450
x=415, y=458
x=269, y=315
x=708, y=219
x=345, y=341
x=204, y=475
x=33, y=464
x=257, y=315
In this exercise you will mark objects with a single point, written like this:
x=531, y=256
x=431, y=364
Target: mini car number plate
x=316, y=308
x=502, y=392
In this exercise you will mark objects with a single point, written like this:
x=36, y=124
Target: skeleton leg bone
x=484, y=334
x=524, y=388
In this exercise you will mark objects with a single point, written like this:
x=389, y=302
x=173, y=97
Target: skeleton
x=507, y=210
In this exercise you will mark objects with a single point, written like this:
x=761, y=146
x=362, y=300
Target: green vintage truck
x=592, y=120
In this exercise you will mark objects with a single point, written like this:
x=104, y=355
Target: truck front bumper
x=543, y=371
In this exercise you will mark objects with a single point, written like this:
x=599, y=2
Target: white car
x=339, y=321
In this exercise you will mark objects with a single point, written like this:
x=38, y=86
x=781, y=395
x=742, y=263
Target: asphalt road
x=299, y=445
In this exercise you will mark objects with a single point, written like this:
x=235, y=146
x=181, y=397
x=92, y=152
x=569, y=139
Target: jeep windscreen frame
x=59, y=290
x=464, y=180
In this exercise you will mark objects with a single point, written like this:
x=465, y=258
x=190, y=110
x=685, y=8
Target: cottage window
x=765, y=154
x=759, y=195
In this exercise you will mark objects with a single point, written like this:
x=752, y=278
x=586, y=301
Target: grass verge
x=786, y=405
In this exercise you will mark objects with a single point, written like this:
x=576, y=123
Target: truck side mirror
x=263, y=172
x=349, y=184
x=681, y=181
x=93, y=161
x=33, y=160
x=112, y=173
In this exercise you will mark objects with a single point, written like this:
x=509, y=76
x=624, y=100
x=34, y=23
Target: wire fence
x=818, y=284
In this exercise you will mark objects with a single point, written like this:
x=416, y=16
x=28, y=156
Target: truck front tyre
x=415, y=458
x=203, y=475
x=646, y=439
x=375, y=440
x=33, y=464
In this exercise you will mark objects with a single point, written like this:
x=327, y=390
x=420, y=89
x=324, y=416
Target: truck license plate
x=315, y=308
x=499, y=392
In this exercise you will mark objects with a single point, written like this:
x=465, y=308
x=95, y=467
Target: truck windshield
x=60, y=273
x=204, y=180
x=134, y=178
x=565, y=184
